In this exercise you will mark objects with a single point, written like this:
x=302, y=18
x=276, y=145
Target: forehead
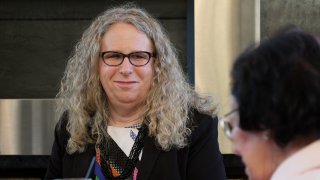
x=125, y=35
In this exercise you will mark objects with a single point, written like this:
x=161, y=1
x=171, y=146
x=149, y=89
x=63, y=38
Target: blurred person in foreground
x=275, y=119
x=125, y=100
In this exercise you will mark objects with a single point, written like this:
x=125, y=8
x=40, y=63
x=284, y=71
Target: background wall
x=223, y=28
x=276, y=14
x=26, y=126
x=36, y=39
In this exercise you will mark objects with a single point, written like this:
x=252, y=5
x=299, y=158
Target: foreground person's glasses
x=139, y=58
x=225, y=122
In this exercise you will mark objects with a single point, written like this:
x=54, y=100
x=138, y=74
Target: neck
x=125, y=116
x=293, y=147
x=297, y=145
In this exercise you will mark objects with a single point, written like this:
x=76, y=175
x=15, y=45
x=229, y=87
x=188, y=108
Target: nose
x=232, y=135
x=232, y=138
x=126, y=67
x=239, y=139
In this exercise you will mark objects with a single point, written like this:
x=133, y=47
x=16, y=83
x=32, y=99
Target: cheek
x=245, y=143
x=105, y=77
x=150, y=77
x=253, y=153
x=105, y=72
x=239, y=141
x=147, y=75
x=101, y=69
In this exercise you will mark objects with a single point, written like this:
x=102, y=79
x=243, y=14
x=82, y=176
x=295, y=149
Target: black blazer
x=201, y=159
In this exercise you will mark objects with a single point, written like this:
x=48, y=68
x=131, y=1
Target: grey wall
x=278, y=13
x=37, y=37
x=26, y=126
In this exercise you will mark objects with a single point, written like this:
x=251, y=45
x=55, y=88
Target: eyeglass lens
x=226, y=122
x=135, y=58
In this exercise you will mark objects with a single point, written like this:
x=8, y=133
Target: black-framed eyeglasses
x=225, y=123
x=138, y=58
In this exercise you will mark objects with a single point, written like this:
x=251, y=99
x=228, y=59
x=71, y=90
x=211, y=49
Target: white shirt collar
x=300, y=163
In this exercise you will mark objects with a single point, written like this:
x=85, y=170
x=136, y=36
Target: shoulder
x=202, y=124
x=199, y=120
x=303, y=164
x=61, y=133
x=63, y=122
x=204, y=157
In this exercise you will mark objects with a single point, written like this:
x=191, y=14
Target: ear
x=265, y=135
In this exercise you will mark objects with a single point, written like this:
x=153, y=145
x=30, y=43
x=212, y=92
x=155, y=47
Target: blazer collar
x=149, y=157
x=82, y=162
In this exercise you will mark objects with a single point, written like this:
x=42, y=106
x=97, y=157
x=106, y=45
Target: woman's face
x=255, y=148
x=125, y=84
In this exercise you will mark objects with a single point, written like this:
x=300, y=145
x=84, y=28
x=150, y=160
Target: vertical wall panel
x=223, y=28
x=26, y=126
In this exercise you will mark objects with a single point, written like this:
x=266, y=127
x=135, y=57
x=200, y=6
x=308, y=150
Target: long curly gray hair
x=166, y=106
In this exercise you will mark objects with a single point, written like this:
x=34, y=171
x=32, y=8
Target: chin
x=254, y=176
x=129, y=100
x=250, y=175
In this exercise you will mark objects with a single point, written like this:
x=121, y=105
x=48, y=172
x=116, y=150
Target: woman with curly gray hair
x=125, y=101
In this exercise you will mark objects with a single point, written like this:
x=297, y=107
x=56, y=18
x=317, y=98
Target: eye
x=113, y=55
x=229, y=126
x=139, y=56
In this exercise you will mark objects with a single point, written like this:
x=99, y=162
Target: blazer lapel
x=149, y=157
x=82, y=161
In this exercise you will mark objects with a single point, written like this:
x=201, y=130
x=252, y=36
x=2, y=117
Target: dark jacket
x=201, y=159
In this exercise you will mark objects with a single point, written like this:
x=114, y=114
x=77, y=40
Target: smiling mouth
x=125, y=82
